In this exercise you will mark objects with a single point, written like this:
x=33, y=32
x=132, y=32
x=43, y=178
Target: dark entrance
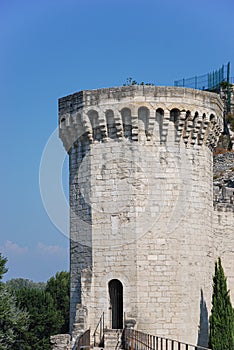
x=116, y=301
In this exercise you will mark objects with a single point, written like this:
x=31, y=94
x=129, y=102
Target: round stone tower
x=141, y=207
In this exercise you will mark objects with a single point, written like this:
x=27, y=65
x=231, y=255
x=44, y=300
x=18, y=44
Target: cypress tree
x=222, y=315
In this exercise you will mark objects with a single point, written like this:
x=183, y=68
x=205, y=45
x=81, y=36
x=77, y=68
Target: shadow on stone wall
x=203, y=331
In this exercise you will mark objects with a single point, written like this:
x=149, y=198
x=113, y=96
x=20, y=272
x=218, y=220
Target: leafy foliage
x=222, y=315
x=13, y=320
x=18, y=283
x=59, y=289
x=31, y=312
x=130, y=81
x=44, y=318
x=48, y=309
x=3, y=268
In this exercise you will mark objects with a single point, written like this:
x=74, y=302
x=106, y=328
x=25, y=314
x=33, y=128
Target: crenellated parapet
x=142, y=114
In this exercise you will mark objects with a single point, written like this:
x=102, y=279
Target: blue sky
x=50, y=49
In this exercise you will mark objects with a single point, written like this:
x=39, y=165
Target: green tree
x=222, y=315
x=59, y=289
x=44, y=318
x=13, y=320
x=3, y=268
x=18, y=283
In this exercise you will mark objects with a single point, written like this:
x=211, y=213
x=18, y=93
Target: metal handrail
x=83, y=342
x=136, y=340
x=100, y=328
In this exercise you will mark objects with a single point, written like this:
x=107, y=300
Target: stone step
x=112, y=339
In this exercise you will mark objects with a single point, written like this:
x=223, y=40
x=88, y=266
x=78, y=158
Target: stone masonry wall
x=177, y=251
x=60, y=342
x=223, y=224
x=223, y=219
x=80, y=224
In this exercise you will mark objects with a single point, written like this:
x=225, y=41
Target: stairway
x=113, y=339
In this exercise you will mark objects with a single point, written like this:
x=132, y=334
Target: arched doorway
x=116, y=302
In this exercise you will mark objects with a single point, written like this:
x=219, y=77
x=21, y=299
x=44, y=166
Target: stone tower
x=141, y=207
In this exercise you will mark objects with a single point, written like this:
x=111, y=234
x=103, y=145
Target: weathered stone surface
x=223, y=220
x=224, y=170
x=60, y=342
x=113, y=339
x=141, y=200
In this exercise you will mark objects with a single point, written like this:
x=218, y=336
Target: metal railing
x=210, y=81
x=83, y=341
x=136, y=340
x=98, y=335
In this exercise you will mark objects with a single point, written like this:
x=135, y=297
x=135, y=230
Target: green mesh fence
x=210, y=81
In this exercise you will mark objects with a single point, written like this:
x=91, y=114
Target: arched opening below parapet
x=174, y=115
x=127, y=122
x=110, y=122
x=116, y=303
x=159, y=121
x=143, y=120
x=93, y=117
